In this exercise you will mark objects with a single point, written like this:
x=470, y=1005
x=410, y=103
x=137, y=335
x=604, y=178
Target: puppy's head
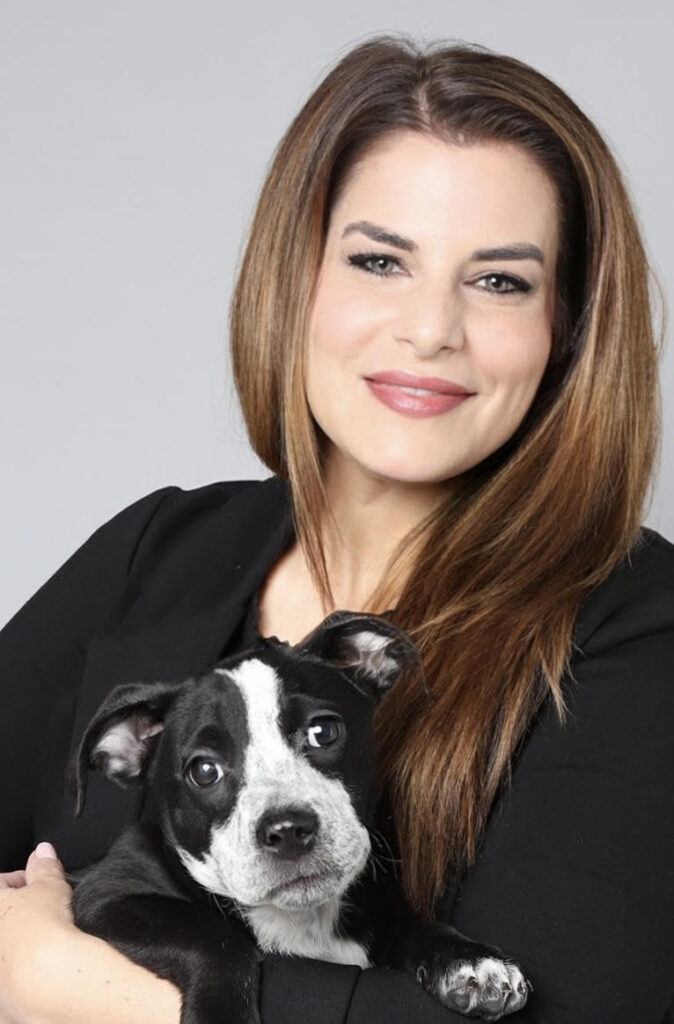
x=262, y=766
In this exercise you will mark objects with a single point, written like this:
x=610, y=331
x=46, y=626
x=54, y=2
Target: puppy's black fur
x=262, y=776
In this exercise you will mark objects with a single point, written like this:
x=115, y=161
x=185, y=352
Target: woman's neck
x=370, y=516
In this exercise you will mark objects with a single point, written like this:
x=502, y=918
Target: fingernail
x=45, y=850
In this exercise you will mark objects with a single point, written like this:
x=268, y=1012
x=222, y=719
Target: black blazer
x=576, y=873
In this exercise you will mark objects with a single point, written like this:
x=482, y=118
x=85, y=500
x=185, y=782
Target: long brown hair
x=492, y=580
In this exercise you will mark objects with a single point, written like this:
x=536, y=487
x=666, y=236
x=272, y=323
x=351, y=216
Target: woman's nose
x=431, y=320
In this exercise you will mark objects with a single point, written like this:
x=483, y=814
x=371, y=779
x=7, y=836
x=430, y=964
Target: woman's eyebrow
x=517, y=251
x=378, y=234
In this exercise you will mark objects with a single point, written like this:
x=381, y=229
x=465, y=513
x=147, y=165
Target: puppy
x=261, y=774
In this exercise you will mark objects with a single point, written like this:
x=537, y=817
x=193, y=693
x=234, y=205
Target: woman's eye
x=203, y=772
x=502, y=284
x=323, y=732
x=374, y=263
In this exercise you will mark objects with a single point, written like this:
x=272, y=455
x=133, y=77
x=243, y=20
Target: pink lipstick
x=416, y=396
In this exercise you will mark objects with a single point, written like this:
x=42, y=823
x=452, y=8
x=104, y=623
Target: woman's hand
x=53, y=973
x=35, y=914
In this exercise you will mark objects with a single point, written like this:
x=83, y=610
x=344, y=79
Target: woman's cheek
x=513, y=353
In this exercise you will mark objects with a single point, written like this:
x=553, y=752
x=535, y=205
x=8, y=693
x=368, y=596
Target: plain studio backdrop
x=135, y=136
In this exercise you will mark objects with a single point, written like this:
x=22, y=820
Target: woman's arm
x=91, y=981
x=52, y=973
x=315, y=992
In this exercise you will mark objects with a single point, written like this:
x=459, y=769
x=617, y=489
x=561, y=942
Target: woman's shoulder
x=619, y=686
x=224, y=523
x=173, y=521
x=244, y=496
x=210, y=495
x=176, y=509
x=636, y=598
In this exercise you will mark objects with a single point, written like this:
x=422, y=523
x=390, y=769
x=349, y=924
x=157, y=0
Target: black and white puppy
x=261, y=772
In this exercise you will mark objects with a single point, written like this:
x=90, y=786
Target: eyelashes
x=498, y=283
x=513, y=284
x=364, y=259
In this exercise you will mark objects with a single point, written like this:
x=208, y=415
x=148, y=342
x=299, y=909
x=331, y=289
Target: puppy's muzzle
x=287, y=832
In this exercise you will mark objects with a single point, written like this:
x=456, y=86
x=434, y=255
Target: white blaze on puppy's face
x=275, y=776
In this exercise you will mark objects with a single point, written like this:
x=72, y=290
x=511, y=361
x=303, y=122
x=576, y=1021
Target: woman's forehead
x=419, y=185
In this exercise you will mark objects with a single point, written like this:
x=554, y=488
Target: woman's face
x=439, y=264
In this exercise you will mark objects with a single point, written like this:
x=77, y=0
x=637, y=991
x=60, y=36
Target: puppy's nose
x=288, y=832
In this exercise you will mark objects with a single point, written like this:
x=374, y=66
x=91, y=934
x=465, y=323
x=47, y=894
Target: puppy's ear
x=371, y=644
x=117, y=739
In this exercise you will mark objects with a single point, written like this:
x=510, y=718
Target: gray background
x=135, y=135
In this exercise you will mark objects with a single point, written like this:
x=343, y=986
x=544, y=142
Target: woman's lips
x=415, y=401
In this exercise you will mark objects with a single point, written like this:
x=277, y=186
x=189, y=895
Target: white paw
x=487, y=988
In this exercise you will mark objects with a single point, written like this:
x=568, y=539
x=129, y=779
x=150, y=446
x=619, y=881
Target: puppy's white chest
x=309, y=933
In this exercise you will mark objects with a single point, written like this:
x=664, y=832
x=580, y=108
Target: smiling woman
x=443, y=346
x=446, y=214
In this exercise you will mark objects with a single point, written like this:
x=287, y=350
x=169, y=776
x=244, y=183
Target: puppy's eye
x=323, y=732
x=203, y=772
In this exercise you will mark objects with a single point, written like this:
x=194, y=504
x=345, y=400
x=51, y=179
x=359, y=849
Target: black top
x=247, y=633
x=575, y=877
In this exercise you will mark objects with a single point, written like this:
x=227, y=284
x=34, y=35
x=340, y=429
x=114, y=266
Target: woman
x=443, y=348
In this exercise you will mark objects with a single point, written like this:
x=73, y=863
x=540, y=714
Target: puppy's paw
x=485, y=987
